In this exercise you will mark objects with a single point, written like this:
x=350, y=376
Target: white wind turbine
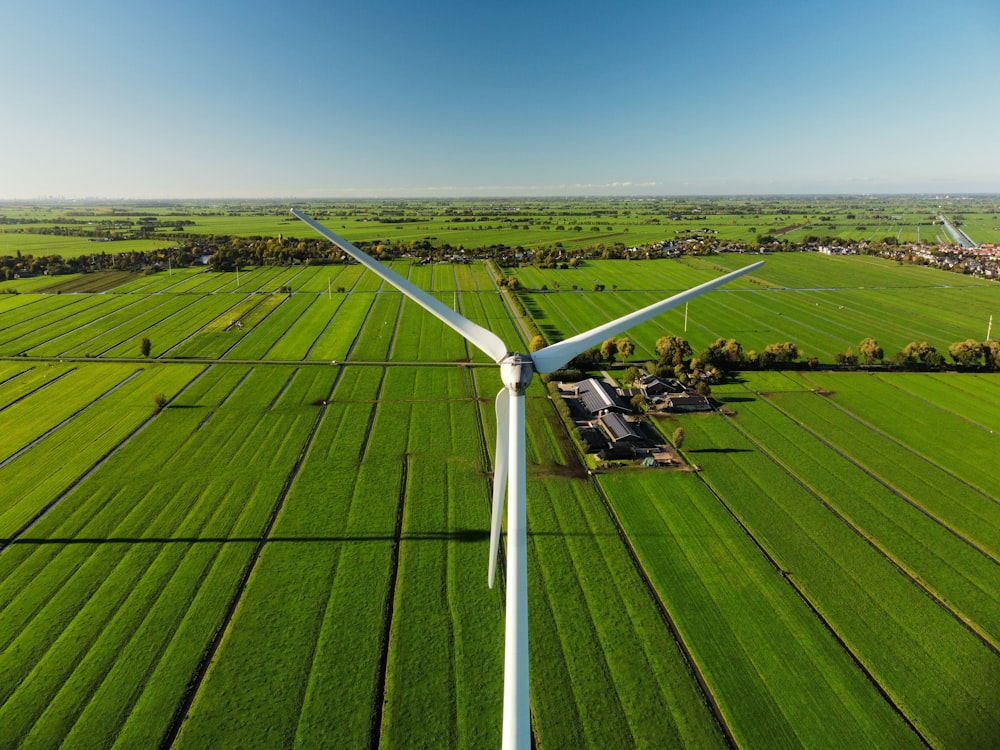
x=516, y=371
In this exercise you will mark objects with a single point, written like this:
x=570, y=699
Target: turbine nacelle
x=516, y=372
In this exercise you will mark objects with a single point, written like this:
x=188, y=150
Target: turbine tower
x=516, y=372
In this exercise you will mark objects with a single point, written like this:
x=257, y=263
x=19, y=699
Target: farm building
x=620, y=430
x=687, y=402
x=652, y=385
x=599, y=398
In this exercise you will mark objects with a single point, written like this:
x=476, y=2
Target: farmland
x=74, y=230
x=290, y=547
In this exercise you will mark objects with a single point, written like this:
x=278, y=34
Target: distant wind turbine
x=516, y=372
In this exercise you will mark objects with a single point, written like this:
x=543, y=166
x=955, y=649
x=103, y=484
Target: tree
x=779, y=354
x=160, y=401
x=625, y=348
x=848, y=358
x=145, y=347
x=587, y=360
x=991, y=353
x=673, y=349
x=609, y=349
x=537, y=342
x=871, y=351
x=678, y=438
x=632, y=374
x=726, y=354
x=968, y=353
x=638, y=403
x=922, y=354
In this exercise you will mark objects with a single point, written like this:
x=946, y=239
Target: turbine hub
x=516, y=371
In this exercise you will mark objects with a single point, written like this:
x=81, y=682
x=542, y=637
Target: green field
x=823, y=304
x=293, y=550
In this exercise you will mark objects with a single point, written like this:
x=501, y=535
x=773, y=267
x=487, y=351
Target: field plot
x=171, y=331
x=759, y=648
x=50, y=451
x=823, y=304
x=46, y=315
x=945, y=564
x=931, y=485
x=815, y=509
x=72, y=247
x=34, y=284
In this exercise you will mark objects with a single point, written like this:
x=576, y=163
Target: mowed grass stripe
x=24, y=313
x=301, y=337
x=372, y=344
x=131, y=323
x=424, y=338
x=124, y=651
x=81, y=636
x=967, y=396
x=259, y=341
x=222, y=334
x=53, y=340
x=334, y=341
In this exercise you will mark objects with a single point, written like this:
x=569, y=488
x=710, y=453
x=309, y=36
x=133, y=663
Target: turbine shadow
x=458, y=535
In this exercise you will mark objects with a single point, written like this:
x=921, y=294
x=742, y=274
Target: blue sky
x=384, y=98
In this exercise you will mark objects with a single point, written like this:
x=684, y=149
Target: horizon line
x=511, y=196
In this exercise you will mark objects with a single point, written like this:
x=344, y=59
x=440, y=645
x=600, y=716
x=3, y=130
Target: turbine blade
x=499, y=477
x=557, y=355
x=485, y=340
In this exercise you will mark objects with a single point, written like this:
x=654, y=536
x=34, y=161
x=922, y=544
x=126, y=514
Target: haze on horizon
x=220, y=99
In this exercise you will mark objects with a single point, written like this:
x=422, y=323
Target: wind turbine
x=516, y=372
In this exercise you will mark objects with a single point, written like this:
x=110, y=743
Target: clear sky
x=388, y=98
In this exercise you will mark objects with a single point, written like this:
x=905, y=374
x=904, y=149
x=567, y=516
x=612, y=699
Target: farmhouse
x=651, y=386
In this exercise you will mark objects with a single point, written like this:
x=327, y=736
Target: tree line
x=676, y=360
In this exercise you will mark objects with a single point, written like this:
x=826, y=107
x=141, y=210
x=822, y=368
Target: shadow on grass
x=459, y=535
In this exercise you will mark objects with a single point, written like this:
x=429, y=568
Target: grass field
x=292, y=551
x=823, y=304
